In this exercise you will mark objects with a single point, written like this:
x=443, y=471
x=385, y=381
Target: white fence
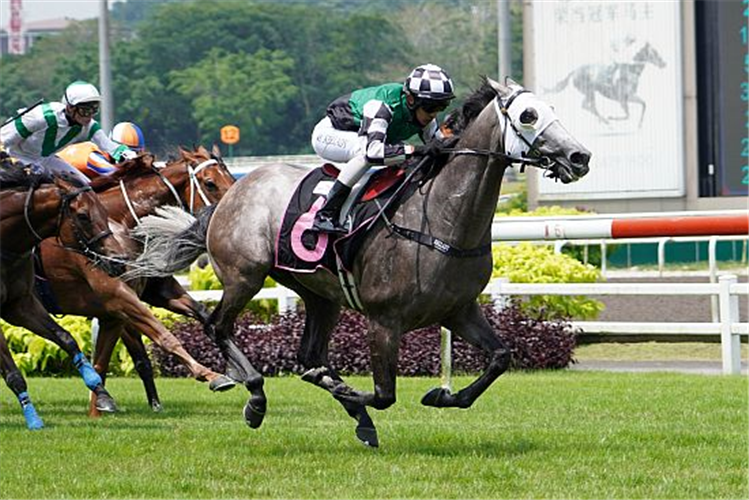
x=727, y=290
x=609, y=228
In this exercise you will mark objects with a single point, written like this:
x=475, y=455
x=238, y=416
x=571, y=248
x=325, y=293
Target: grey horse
x=615, y=81
x=402, y=284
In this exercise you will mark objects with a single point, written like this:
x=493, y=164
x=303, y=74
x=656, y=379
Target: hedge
x=271, y=348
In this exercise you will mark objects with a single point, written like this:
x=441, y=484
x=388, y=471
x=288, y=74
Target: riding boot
x=326, y=219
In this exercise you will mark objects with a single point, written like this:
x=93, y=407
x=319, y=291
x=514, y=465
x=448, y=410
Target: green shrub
x=35, y=355
x=528, y=263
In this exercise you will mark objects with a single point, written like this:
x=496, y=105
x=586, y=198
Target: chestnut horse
x=195, y=180
x=425, y=263
x=34, y=206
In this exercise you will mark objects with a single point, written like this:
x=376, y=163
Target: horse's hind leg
x=30, y=314
x=220, y=328
x=17, y=384
x=321, y=319
x=470, y=324
x=169, y=294
x=143, y=366
x=124, y=303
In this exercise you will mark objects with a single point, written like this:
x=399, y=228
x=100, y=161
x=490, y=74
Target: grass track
x=533, y=435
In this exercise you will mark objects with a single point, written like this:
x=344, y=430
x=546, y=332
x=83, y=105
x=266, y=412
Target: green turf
x=654, y=351
x=532, y=435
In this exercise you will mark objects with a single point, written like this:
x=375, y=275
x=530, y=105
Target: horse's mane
x=21, y=176
x=136, y=168
x=459, y=119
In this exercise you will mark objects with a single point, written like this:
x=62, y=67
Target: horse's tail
x=172, y=240
x=561, y=85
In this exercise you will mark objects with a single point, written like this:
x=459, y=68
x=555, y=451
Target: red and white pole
x=628, y=226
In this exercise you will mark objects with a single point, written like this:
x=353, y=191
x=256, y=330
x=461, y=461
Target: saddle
x=299, y=249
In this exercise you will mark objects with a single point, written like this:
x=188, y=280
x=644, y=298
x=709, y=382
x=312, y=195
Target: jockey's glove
x=435, y=147
x=128, y=154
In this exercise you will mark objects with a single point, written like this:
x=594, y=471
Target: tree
x=223, y=88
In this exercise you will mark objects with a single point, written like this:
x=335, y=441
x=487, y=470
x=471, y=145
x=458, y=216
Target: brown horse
x=194, y=180
x=34, y=206
x=423, y=264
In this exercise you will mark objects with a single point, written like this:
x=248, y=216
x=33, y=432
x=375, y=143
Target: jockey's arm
x=118, y=152
x=16, y=131
x=375, y=121
x=100, y=163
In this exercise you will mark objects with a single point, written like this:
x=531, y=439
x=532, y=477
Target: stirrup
x=328, y=225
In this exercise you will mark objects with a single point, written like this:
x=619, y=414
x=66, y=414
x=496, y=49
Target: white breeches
x=55, y=165
x=341, y=146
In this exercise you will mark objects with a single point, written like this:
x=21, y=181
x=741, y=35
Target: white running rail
x=728, y=326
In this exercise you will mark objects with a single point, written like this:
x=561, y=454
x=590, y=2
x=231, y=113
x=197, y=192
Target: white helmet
x=80, y=92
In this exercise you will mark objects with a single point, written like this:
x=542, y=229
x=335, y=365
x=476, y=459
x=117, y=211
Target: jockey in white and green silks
x=368, y=127
x=37, y=135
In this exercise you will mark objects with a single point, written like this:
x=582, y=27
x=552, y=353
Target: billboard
x=613, y=72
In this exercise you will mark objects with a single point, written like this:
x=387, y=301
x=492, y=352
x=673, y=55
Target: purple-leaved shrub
x=272, y=347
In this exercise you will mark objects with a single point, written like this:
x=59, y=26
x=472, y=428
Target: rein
x=442, y=246
x=65, y=200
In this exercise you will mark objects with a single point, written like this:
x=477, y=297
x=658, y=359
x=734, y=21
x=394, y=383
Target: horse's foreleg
x=17, y=384
x=637, y=100
x=589, y=104
x=624, y=104
x=29, y=313
x=322, y=316
x=470, y=324
x=169, y=294
x=140, y=318
x=134, y=345
x=384, y=343
x=220, y=328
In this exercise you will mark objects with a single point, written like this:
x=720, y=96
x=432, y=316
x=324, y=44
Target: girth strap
x=439, y=245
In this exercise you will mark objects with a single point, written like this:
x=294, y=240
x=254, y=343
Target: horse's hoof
x=253, y=416
x=436, y=397
x=368, y=436
x=156, y=407
x=104, y=402
x=221, y=383
x=234, y=374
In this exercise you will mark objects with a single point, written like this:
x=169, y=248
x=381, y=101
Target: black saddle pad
x=298, y=249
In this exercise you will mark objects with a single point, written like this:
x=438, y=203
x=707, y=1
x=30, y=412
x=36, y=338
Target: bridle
x=65, y=212
x=195, y=187
x=532, y=157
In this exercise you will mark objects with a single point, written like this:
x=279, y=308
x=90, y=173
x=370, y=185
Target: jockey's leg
x=56, y=165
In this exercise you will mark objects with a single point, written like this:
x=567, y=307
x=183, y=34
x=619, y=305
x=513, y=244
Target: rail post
x=286, y=300
x=712, y=247
x=729, y=314
x=446, y=357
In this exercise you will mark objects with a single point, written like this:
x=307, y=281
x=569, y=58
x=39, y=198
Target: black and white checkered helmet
x=430, y=82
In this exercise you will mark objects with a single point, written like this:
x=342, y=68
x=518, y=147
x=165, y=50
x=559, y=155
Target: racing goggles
x=434, y=106
x=87, y=110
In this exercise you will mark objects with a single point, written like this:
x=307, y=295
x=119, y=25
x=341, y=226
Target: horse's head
x=83, y=225
x=648, y=54
x=209, y=178
x=531, y=129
